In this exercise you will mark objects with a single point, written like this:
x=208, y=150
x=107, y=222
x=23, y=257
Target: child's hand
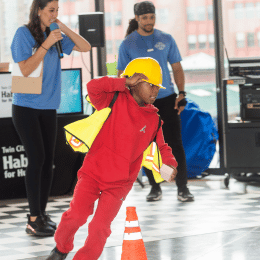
x=135, y=79
x=173, y=174
x=168, y=172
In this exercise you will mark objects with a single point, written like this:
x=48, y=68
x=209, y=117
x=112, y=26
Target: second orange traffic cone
x=133, y=244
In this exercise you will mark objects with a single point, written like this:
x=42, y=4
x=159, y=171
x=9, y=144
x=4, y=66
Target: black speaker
x=91, y=27
x=250, y=103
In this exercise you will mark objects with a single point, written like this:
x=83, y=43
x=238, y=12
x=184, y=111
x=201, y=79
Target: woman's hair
x=34, y=24
x=133, y=25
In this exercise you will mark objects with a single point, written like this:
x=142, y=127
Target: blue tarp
x=199, y=136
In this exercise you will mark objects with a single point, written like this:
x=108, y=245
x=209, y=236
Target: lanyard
x=148, y=49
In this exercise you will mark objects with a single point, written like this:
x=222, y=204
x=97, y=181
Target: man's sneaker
x=155, y=194
x=56, y=255
x=39, y=227
x=185, y=195
x=47, y=219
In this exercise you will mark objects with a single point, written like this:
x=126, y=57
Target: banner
x=5, y=95
x=14, y=161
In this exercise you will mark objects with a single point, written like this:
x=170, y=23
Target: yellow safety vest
x=81, y=134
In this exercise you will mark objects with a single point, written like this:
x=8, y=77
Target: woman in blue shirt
x=34, y=115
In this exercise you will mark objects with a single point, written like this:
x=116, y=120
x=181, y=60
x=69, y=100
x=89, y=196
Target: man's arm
x=179, y=78
x=178, y=75
x=119, y=73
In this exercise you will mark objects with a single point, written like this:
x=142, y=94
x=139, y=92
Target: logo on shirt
x=143, y=129
x=160, y=46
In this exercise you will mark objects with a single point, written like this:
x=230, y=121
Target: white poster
x=5, y=95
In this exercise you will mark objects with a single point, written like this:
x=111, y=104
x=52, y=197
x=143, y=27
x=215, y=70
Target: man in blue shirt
x=142, y=40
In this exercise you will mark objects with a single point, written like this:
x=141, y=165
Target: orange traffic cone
x=133, y=244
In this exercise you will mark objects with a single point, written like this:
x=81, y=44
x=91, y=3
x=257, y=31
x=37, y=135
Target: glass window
x=210, y=12
x=211, y=41
x=163, y=16
x=191, y=14
x=202, y=39
x=250, y=39
x=258, y=39
x=192, y=41
x=109, y=47
x=240, y=40
x=74, y=21
x=108, y=19
x=201, y=11
x=241, y=28
x=118, y=42
x=118, y=18
x=239, y=10
x=6, y=46
x=250, y=12
x=257, y=10
x=64, y=19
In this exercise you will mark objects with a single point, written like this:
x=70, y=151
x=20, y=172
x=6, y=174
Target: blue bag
x=199, y=136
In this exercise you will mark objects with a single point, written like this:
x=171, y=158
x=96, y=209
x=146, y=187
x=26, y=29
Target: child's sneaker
x=56, y=255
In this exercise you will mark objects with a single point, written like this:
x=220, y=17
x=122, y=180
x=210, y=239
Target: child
x=112, y=164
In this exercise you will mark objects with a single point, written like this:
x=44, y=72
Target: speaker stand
x=91, y=64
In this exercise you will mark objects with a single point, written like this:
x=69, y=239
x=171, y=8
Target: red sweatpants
x=87, y=191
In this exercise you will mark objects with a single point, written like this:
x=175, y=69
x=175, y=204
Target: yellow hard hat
x=148, y=66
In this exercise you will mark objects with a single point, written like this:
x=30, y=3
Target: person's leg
x=27, y=125
x=155, y=192
x=48, y=123
x=26, y=122
x=109, y=204
x=81, y=207
x=173, y=137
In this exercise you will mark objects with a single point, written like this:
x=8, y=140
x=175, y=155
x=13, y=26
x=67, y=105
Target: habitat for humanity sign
x=14, y=161
x=6, y=94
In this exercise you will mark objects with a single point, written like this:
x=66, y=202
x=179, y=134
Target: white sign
x=6, y=96
x=14, y=161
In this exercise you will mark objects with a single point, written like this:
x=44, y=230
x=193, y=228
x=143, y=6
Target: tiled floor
x=222, y=224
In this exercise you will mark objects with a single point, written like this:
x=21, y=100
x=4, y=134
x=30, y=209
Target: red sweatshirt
x=117, y=152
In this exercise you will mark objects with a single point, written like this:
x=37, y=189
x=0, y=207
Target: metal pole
x=91, y=64
x=220, y=74
x=101, y=51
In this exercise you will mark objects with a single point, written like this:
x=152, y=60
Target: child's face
x=145, y=93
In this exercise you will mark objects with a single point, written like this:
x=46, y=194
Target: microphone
x=53, y=27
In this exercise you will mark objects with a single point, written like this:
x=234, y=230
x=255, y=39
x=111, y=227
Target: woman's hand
x=60, y=24
x=135, y=79
x=53, y=37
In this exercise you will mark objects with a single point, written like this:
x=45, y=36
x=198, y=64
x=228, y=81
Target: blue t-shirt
x=160, y=46
x=22, y=47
